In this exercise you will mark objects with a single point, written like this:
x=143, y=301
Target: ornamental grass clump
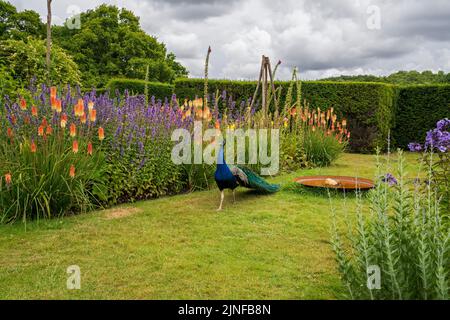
x=310, y=137
x=51, y=159
x=397, y=247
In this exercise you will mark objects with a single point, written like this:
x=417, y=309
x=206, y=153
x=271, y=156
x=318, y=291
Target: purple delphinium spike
x=390, y=179
x=415, y=147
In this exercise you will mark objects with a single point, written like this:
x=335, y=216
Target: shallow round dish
x=336, y=182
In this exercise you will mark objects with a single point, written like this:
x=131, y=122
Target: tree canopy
x=400, y=77
x=26, y=60
x=111, y=43
x=19, y=25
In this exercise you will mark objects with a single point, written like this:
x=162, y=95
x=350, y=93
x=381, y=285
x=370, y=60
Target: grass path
x=262, y=247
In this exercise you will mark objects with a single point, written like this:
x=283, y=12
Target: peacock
x=230, y=177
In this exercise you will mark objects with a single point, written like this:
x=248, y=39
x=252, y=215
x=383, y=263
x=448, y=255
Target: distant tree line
x=400, y=78
x=109, y=43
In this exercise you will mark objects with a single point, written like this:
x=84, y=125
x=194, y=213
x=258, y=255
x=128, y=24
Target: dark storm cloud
x=321, y=37
x=430, y=22
x=195, y=10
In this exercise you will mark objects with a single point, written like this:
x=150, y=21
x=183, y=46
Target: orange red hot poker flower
x=8, y=178
x=63, y=120
x=33, y=147
x=53, y=92
x=101, y=134
x=34, y=111
x=93, y=115
x=72, y=171
x=23, y=104
x=73, y=130
x=89, y=149
x=75, y=146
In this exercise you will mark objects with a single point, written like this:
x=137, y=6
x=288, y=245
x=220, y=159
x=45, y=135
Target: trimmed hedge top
x=371, y=108
x=367, y=106
x=418, y=108
x=136, y=86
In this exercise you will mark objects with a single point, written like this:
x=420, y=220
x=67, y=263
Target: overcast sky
x=321, y=37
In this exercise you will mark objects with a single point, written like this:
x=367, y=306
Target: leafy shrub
x=418, y=108
x=47, y=169
x=322, y=149
x=138, y=148
x=26, y=61
x=136, y=87
x=368, y=107
x=7, y=83
x=405, y=235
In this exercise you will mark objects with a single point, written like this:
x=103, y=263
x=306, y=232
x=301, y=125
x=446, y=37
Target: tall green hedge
x=367, y=106
x=136, y=86
x=418, y=108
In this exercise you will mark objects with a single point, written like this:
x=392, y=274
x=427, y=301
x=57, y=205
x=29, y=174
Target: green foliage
x=406, y=236
x=7, y=83
x=26, y=60
x=399, y=78
x=136, y=86
x=321, y=149
x=418, y=108
x=111, y=43
x=38, y=164
x=129, y=180
x=368, y=107
x=19, y=25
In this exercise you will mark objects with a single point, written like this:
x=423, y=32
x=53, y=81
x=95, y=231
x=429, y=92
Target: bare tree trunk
x=49, y=37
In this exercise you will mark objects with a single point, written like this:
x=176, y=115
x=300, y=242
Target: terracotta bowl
x=336, y=182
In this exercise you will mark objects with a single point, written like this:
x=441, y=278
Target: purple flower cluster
x=436, y=139
x=390, y=179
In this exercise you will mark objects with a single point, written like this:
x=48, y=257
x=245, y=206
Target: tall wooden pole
x=264, y=86
x=49, y=37
x=265, y=76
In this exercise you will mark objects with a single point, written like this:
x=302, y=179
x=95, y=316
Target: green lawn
x=262, y=247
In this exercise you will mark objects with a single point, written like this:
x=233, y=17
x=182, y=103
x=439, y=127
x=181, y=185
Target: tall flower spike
x=72, y=171
x=34, y=111
x=75, y=146
x=33, y=147
x=101, y=134
x=58, y=106
x=52, y=92
x=23, y=104
x=93, y=115
x=8, y=178
x=89, y=148
x=63, y=120
x=73, y=130
x=53, y=102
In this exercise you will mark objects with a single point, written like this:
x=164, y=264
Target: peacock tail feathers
x=251, y=180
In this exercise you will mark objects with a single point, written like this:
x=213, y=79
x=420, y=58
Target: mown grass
x=262, y=247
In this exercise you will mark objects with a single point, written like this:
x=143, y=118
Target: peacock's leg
x=222, y=195
x=234, y=195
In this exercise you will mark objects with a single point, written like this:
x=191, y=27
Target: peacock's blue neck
x=221, y=157
x=222, y=169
